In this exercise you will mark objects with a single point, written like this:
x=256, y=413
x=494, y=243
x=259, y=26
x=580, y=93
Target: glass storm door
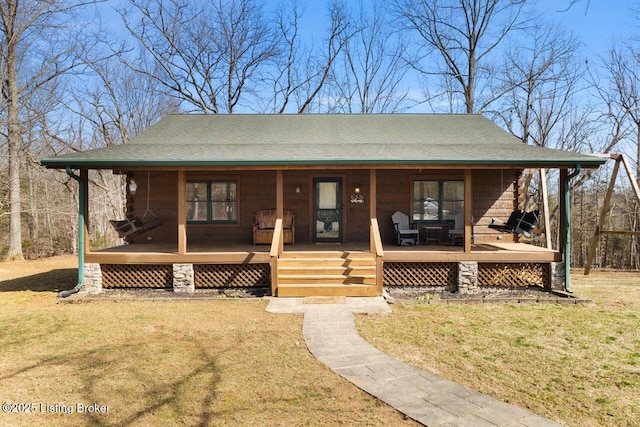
x=327, y=195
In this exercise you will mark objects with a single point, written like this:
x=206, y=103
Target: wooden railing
x=277, y=246
x=377, y=250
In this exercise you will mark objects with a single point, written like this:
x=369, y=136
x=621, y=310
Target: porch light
x=298, y=188
x=357, y=199
x=133, y=187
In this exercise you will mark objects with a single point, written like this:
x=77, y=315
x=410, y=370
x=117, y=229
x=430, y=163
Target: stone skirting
x=183, y=278
x=92, y=279
x=468, y=278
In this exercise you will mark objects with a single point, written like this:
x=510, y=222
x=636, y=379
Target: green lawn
x=576, y=364
x=228, y=362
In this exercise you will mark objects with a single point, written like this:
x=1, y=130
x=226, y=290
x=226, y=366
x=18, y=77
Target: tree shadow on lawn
x=136, y=394
x=50, y=281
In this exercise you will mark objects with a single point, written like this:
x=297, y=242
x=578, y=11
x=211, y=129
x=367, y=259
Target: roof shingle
x=314, y=139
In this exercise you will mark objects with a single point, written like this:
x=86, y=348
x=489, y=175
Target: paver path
x=330, y=334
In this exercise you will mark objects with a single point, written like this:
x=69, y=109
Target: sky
x=596, y=22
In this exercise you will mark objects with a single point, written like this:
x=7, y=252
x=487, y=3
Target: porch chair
x=130, y=227
x=265, y=222
x=456, y=234
x=519, y=222
x=403, y=233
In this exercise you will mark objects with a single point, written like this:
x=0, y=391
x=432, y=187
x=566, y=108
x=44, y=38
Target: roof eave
x=60, y=163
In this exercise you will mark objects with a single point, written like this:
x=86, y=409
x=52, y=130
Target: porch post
x=561, y=211
x=468, y=211
x=84, y=182
x=375, y=244
x=182, y=212
x=280, y=203
x=373, y=188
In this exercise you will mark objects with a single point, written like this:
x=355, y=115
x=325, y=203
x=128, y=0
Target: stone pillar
x=92, y=278
x=557, y=277
x=183, y=278
x=468, y=278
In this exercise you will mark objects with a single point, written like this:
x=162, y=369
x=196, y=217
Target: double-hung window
x=212, y=201
x=437, y=200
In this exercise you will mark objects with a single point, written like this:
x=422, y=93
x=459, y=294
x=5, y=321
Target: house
x=206, y=178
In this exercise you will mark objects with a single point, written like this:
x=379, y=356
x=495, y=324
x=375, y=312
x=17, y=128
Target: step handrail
x=376, y=249
x=277, y=247
x=376, y=240
x=277, y=241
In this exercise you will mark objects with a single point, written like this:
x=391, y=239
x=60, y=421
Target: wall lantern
x=133, y=187
x=298, y=188
x=357, y=199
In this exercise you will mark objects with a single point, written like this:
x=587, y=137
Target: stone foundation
x=468, y=278
x=557, y=277
x=92, y=278
x=183, y=278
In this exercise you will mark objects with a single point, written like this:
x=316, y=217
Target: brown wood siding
x=163, y=194
x=394, y=194
x=494, y=195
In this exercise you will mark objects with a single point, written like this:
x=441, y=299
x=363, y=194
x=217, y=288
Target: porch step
x=300, y=290
x=326, y=273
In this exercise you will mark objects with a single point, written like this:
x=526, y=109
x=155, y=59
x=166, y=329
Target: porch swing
x=132, y=226
x=519, y=222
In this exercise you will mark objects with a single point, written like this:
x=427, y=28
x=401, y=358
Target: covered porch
x=341, y=179
x=337, y=269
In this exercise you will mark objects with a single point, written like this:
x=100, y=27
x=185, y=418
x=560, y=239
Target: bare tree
x=462, y=36
x=36, y=47
x=371, y=74
x=623, y=69
x=545, y=79
x=208, y=55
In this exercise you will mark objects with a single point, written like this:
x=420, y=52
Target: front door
x=327, y=210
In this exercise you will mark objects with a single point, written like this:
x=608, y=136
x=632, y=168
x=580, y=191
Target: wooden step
x=326, y=254
x=358, y=270
x=330, y=273
x=335, y=279
x=306, y=290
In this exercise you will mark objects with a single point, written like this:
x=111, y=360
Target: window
x=437, y=200
x=212, y=201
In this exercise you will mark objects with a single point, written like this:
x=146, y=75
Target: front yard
x=228, y=362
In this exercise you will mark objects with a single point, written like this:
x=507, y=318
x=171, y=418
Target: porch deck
x=151, y=253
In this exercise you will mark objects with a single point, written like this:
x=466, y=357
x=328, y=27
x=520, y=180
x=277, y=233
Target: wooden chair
x=403, y=232
x=265, y=222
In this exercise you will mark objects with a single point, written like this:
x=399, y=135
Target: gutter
x=81, y=243
x=567, y=229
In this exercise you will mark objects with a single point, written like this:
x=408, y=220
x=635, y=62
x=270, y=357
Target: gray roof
x=318, y=139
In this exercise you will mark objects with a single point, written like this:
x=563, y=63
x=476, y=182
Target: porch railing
x=377, y=250
x=277, y=246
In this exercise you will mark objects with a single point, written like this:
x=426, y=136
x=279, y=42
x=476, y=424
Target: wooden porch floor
x=238, y=253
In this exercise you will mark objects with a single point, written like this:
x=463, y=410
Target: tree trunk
x=14, y=143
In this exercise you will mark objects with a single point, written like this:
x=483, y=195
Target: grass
x=228, y=362
x=576, y=364
x=222, y=362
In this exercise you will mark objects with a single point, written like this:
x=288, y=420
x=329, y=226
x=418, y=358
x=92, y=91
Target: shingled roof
x=319, y=139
